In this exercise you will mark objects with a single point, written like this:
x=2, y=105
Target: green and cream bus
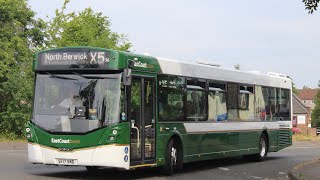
x=97, y=108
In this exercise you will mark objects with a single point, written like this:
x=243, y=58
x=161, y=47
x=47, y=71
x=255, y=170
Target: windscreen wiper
x=79, y=75
x=59, y=77
x=92, y=77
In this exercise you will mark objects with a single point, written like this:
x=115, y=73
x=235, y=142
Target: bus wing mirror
x=127, y=77
x=130, y=63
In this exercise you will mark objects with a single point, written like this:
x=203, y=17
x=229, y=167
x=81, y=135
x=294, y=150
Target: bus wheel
x=263, y=149
x=173, y=158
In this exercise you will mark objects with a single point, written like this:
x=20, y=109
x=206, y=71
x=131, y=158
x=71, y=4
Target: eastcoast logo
x=140, y=64
x=64, y=141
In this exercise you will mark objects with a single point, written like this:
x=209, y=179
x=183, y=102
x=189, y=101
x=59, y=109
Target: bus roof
x=175, y=67
x=119, y=60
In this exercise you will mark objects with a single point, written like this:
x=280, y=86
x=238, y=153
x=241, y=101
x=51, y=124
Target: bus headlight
x=27, y=130
x=111, y=138
x=29, y=136
x=114, y=132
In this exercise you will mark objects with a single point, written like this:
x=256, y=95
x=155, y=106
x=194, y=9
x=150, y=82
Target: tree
x=237, y=67
x=20, y=34
x=294, y=88
x=315, y=116
x=311, y=5
x=85, y=28
x=305, y=87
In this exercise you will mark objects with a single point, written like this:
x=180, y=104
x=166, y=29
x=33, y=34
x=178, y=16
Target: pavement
x=304, y=171
x=13, y=145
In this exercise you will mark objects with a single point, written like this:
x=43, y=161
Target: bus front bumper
x=106, y=156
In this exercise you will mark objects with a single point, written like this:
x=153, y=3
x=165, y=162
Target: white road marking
x=256, y=177
x=224, y=169
x=310, y=147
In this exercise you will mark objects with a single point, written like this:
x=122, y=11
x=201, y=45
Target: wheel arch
x=177, y=138
x=178, y=143
x=265, y=132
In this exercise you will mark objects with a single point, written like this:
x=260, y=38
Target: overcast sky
x=267, y=36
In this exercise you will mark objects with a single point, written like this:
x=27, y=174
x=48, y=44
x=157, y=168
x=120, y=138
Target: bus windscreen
x=76, y=103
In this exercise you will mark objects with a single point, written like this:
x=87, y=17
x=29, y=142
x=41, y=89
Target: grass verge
x=5, y=138
x=303, y=137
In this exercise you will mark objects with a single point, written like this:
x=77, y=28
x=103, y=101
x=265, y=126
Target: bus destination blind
x=73, y=59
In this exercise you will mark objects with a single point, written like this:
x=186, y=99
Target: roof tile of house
x=297, y=106
x=307, y=94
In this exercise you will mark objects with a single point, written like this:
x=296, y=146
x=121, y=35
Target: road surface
x=14, y=165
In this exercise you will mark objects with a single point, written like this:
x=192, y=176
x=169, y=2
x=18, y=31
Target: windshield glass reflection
x=76, y=103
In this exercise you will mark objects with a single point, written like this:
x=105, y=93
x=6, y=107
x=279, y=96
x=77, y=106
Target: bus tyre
x=263, y=148
x=173, y=158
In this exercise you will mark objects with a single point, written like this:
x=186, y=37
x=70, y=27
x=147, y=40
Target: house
x=301, y=116
x=307, y=97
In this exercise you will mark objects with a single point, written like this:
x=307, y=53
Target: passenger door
x=142, y=121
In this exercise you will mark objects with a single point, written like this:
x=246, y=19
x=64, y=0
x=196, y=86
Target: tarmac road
x=14, y=165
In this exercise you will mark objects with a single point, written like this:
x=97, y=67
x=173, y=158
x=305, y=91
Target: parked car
x=318, y=131
x=296, y=130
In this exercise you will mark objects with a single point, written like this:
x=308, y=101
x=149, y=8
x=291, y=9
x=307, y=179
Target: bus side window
x=217, y=105
x=246, y=102
x=171, y=98
x=196, y=100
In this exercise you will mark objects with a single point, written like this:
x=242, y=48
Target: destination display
x=73, y=58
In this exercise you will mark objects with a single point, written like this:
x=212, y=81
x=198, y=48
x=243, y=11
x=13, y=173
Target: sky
x=266, y=36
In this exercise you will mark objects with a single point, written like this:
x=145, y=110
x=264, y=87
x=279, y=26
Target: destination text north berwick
x=68, y=58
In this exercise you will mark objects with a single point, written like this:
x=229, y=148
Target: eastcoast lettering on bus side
x=140, y=64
